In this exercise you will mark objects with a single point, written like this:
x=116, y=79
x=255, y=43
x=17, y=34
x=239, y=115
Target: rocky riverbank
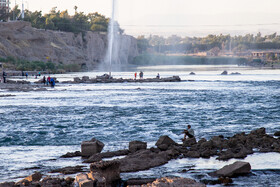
x=138, y=157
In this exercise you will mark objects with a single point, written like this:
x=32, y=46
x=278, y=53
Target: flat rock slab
x=233, y=170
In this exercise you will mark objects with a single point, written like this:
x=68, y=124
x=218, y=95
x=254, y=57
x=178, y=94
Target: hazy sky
x=183, y=17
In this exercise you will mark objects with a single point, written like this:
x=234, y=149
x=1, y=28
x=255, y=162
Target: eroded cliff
x=20, y=40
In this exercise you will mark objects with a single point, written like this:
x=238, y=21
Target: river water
x=38, y=127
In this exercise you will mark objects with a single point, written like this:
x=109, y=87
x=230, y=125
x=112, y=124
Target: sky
x=181, y=17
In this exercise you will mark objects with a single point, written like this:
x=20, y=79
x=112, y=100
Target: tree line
x=63, y=21
x=177, y=44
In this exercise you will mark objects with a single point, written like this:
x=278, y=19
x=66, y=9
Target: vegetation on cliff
x=11, y=63
x=63, y=21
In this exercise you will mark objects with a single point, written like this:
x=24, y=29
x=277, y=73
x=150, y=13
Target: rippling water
x=38, y=127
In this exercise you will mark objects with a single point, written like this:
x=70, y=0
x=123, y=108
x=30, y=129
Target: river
x=38, y=127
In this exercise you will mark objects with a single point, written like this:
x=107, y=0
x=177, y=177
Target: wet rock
x=71, y=155
x=144, y=159
x=165, y=140
x=77, y=80
x=233, y=170
x=192, y=73
x=99, y=156
x=224, y=73
x=91, y=147
x=189, y=142
x=175, y=181
x=37, y=176
x=139, y=182
x=235, y=73
x=110, y=170
x=277, y=133
x=259, y=132
x=7, y=184
x=137, y=145
x=68, y=170
x=85, y=79
x=192, y=154
x=84, y=181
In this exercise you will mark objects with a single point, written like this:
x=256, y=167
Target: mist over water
x=38, y=127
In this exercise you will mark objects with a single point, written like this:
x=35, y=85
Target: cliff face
x=19, y=39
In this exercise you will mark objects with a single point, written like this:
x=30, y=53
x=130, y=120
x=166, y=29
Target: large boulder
x=91, y=147
x=110, y=170
x=277, y=133
x=233, y=170
x=84, y=181
x=137, y=145
x=165, y=140
x=145, y=159
x=189, y=142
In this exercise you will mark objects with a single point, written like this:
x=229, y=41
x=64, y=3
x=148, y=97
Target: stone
x=137, y=145
x=68, y=170
x=99, y=156
x=84, y=181
x=165, y=140
x=192, y=73
x=71, y=155
x=110, y=170
x=143, y=160
x=189, y=142
x=37, y=176
x=7, y=184
x=174, y=182
x=85, y=78
x=91, y=147
x=224, y=73
x=192, y=154
x=233, y=170
x=139, y=181
x=259, y=132
x=277, y=133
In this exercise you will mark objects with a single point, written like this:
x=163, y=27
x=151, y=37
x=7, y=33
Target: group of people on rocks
x=49, y=80
x=141, y=75
x=26, y=74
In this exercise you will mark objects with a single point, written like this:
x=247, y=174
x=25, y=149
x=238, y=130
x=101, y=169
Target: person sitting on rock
x=189, y=132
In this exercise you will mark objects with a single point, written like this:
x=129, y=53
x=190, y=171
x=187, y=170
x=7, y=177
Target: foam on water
x=39, y=126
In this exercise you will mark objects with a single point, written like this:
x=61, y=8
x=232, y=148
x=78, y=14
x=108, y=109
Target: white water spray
x=111, y=35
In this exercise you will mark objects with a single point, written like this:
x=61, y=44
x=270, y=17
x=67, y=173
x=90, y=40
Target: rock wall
x=18, y=39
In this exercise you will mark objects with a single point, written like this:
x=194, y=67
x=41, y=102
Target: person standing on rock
x=4, y=76
x=158, y=76
x=189, y=132
x=52, y=82
x=48, y=80
x=141, y=74
x=135, y=76
x=44, y=80
x=26, y=75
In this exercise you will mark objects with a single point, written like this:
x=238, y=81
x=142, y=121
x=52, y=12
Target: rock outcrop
x=233, y=170
x=18, y=39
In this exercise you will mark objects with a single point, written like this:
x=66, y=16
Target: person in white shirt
x=189, y=132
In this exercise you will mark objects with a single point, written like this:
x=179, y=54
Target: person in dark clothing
x=141, y=75
x=4, y=76
x=44, y=80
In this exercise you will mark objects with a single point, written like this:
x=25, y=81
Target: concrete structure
x=266, y=54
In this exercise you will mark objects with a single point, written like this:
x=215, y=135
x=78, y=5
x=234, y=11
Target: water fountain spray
x=111, y=35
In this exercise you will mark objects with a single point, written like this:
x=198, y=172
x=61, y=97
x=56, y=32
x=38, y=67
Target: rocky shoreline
x=138, y=157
